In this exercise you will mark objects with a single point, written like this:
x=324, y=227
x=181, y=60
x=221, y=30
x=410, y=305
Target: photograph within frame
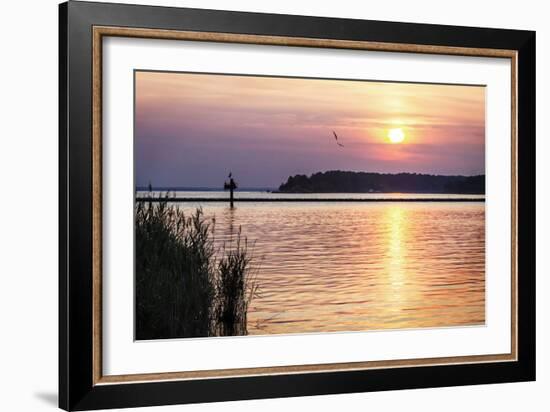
x=420, y=187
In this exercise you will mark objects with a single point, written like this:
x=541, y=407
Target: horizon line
x=176, y=187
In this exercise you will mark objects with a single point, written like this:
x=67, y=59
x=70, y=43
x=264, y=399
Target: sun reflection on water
x=395, y=218
x=361, y=266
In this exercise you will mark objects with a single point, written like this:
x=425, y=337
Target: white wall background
x=28, y=206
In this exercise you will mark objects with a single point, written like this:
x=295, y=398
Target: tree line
x=337, y=181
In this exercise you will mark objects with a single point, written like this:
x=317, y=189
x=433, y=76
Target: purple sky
x=192, y=129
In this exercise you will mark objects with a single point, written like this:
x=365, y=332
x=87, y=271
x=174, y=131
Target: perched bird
x=230, y=173
x=336, y=138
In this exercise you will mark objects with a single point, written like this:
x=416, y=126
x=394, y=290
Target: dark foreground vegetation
x=182, y=288
x=337, y=181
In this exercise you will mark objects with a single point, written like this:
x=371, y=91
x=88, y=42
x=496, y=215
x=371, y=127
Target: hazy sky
x=192, y=129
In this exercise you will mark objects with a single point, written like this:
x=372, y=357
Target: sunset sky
x=192, y=129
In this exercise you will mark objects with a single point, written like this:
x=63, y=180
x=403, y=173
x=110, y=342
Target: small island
x=337, y=181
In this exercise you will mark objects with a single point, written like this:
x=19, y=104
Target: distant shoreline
x=203, y=189
x=338, y=181
x=311, y=200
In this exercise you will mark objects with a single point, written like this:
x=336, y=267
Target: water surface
x=353, y=266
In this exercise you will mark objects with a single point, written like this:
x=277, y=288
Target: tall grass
x=182, y=288
x=235, y=289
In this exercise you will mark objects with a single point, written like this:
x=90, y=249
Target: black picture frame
x=77, y=390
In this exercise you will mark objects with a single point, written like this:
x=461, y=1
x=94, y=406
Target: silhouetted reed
x=236, y=287
x=182, y=288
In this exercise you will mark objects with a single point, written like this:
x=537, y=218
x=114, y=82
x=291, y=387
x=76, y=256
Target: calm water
x=350, y=266
x=211, y=194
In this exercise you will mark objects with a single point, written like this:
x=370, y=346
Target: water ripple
x=361, y=266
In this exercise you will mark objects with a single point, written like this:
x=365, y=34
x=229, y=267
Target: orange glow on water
x=353, y=266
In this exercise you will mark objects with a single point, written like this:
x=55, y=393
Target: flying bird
x=336, y=138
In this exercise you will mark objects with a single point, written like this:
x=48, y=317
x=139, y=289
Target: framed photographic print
x=257, y=205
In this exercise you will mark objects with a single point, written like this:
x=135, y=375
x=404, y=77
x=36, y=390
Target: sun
x=396, y=135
